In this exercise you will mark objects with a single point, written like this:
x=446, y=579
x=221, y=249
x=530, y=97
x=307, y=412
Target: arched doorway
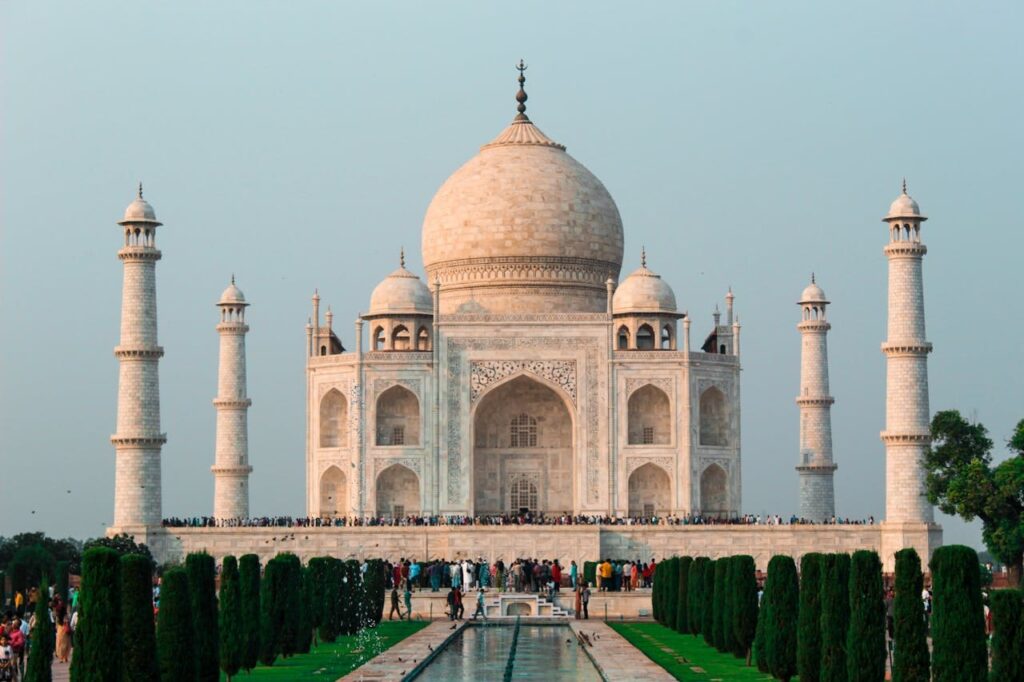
x=522, y=450
x=333, y=493
x=714, y=499
x=398, y=417
x=398, y=492
x=650, y=491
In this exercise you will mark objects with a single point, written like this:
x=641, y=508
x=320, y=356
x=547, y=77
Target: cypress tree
x=808, y=631
x=98, y=638
x=175, y=636
x=138, y=633
x=835, y=616
x=40, y=656
x=683, y=594
x=959, y=651
x=729, y=644
x=657, y=588
x=3, y=590
x=782, y=592
x=374, y=585
x=271, y=617
x=670, y=605
x=718, y=613
x=290, y=607
x=305, y=636
x=744, y=611
x=695, y=594
x=910, y=631
x=1007, y=623
x=352, y=598
x=316, y=567
x=865, y=639
x=760, y=636
x=330, y=619
x=229, y=624
x=61, y=580
x=249, y=584
x=707, y=624
x=202, y=577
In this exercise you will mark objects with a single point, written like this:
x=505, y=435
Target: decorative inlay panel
x=384, y=383
x=634, y=463
x=414, y=464
x=666, y=384
x=484, y=373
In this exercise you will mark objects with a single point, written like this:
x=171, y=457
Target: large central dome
x=522, y=227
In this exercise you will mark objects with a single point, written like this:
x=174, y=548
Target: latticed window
x=648, y=437
x=398, y=435
x=523, y=495
x=523, y=432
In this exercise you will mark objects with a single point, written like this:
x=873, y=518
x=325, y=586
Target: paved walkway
x=617, y=659
x=400, y=660
x=60, y=671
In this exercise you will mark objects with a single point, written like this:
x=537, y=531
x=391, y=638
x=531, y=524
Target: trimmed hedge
x=782, y=595
x=202, y=580
x=695, y=594
x=910, y=631
x=174, y=632
x=249, y=589
x=1008, y=635
x=98, y=638
x=373, y=584
x=683, y=593
x=230, y=625
x=272, y=610
x=808, y=631
x=707, y=624
x=959, y=651
x=744, y=607
x=835, y=616
x=865, y=638
x=718, y=615
x=669, y=607
x=40, y=655
x=138, y=633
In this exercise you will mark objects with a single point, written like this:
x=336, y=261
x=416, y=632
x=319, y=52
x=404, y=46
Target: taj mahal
x=521, y=373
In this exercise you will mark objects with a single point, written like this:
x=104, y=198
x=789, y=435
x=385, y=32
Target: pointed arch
x=333, y=420
x=378, y=338
x=645, y=337
x=649, y=417
x=398, y=417
x=714, y=418
x=667, y=337
x=398, y=492
x=650, y=491
x=423, y=339
x=623, y=338
x=333, y=493
x=400, y=338
x=714, y=498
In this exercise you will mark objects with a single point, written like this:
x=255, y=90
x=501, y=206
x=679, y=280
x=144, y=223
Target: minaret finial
x=812, y=279
x=521, y=95
x=401, y=257
x=140, y=189
x=643, y=257
x=904, y=185
x=232, y=278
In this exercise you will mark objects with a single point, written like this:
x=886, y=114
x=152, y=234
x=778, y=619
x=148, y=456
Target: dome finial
x=140, y=189
x=812, y=279
x=904, y=185
x=521, y=95
x=643, y=257
x=232, y=278
x=401, y=257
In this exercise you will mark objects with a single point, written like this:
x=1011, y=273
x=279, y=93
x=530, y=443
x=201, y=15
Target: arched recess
x=714, y=498
x=522, y=436
x=423, y=339
x=649, y=415
x=333, y=493
x=714, y=418
x=623, y=343
x=645, y=338
x=378, y=338
x=400, y=338
x=666, y=337
x=398, y=492
x=333, y=420
x=398, y=417
x=650, y=491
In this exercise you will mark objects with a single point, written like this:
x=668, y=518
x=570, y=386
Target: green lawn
x=331, y=661
x=689, y=658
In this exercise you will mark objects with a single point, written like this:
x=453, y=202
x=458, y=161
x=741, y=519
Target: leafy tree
x=122, y=544
x=1007, y=636
x=744, y=611
x=68, y=549
x=910, y=631
x=835, y=616
x=61, y=579
x=865, y=639
x=808, y=631
x=718, y=614
x=962, y=481
x=669, y=607
x=98, y=638
x=29, y=564
x=40, y=656
x=230, y=626
x=249, y=590
x=782, y=598
x=202, y=586
x=707, y=624
x=959, y=651
x=3, y=589
x=695, y=594
x=138, y=648
x=175, y=637
x=683, y=594
x=374, y=586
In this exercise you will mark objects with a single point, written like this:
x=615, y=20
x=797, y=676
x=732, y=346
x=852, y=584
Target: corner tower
x=816, y=468
x=907, y=429
x=231, y=468
x=138, y=440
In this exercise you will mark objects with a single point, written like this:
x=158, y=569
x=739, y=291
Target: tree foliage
x=782, y=600
x=138, y=649
x=202, y=580
x=330, y=598
x=707, y=624
x=959, y=650
x=835, y=616
x=67, y=549
x=175, y=638
x=910, y=631
x=695, y=594
x=97, y=655
x=374, y=586
x=808, y=631
x=1008, y=635
x=230, y=626
x=718, y=614
x=353, y=598
x=61, y=578
x=962, y=481
x=865, y=638
x=671, y=579
x=122, y=544
x=249, y=589
x=272, y=608
x=683, y=593
x=728, y=643
x=40, y=655
x=29, y=564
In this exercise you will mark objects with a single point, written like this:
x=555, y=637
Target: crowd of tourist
x=19, y=625
x=695, y=519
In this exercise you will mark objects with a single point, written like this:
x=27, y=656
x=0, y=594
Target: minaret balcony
x=139, y=441
x=235, y=469
x=139, y=253
x=815, y=401
x=232, y=402
x=916, y=348
x=138, y=352
x=905, y=249
x=922, y=438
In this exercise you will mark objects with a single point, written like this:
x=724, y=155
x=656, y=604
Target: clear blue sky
x=298, y=145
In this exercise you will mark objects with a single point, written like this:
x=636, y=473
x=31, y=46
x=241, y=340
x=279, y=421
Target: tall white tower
x=816, y=468
x=907, y=427
x=231, y=468
x=138, y=440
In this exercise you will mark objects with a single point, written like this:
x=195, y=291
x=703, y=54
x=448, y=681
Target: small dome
x=644, y=292
x=401, y=293
x=904, y=207
x=139, y=211
x=232, y=295
x=813, y=293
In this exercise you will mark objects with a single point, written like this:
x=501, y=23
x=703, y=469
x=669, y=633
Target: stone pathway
x=616, y=658
x=400, y=660
x=60, y=671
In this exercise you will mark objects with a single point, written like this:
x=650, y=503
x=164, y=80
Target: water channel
x=482, y=652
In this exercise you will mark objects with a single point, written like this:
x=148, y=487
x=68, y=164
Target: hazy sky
x=298, y=145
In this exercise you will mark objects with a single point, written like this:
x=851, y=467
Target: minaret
x=231, y=468
x=817, y=494
x=138, y=439
x=907, y=420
